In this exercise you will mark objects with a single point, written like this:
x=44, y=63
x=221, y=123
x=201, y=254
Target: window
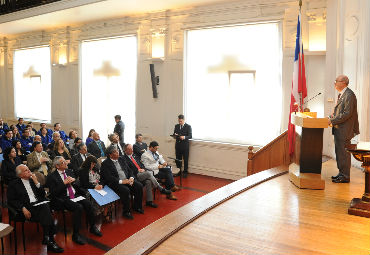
x=32, y=84
x=233, y=83
x=108, y=69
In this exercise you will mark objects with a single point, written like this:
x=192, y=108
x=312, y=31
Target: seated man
x=154, y=162
x=145, y=176
x=114, y=138
x=139, y=147
x=58, y=128
x=79, y=158
x=38, y=160
x=21, y=127
x=117, y=175
x=56, y=137
x=96, y=147
x=49, y=131
x=6, y=140
x=26, y=140
x=63, y=189
x=24, y=194
x=37, y=138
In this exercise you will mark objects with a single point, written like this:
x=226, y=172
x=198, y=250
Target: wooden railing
x=8, y=6
x=274, y=154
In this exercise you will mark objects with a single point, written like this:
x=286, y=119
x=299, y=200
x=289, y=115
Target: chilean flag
x=299, y=89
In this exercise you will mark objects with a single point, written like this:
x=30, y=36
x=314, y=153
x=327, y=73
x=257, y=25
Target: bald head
x=341, y=82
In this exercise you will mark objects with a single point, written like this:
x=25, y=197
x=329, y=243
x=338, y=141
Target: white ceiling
x=64, y=13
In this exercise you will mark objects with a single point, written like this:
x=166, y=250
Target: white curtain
x=32, y=84
x=108, y=69
x=233, y=83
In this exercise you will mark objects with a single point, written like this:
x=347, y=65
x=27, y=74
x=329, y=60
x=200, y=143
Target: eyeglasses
x=337, y=81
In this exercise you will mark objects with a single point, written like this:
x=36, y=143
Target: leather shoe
x=176, y=174
x=151, y=204
x=335, y=177
x=175, y=188
x=54, y=247
x=341, y=179
x=184, y=174
x=128, y=215
x=165, y=191
x=171, y=197
x=94, y=230
x=78, y=239
x=141, y=211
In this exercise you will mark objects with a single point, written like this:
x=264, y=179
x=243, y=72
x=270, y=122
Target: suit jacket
x=185, y=131
x=18, y=196
x=77, y=161
x=58, y=191
x=8, y=169
x=109, y=174
x=138, y=148
x=131, y=164
x=94, y=150
x=33, y=162
x=150, y=163
x=119, y=128
x=345, y=118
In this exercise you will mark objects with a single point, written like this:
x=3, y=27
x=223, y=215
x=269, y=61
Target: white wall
x=157, y=117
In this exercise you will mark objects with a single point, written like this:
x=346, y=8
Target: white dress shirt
x=29, y=190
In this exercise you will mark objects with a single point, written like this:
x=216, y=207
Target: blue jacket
x=5, y=143
x=26, y=143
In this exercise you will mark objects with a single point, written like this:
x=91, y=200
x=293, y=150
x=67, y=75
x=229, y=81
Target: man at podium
x=344, y=122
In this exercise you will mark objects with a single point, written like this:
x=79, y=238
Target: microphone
x=310, y=99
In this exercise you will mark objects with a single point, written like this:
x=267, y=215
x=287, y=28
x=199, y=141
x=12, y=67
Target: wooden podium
x=305, y=171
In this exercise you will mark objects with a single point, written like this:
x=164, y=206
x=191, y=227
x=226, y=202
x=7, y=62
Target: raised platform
x=305, y=180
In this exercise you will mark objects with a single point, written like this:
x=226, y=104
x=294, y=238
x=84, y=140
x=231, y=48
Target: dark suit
x=182, y=146
x=119, y=128
x=60, y=200
x=18, y=198
x=8, y=169
x=94, y=149
x=109, y=175
x=77, y=161
x=345, y=127
x=139, y=149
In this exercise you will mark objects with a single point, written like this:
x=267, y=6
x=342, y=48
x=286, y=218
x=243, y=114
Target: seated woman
x=71, y=138
x=20, y=151
x=74, y=149
x=16, y=134
x=61, y=150
x=8, y=165
x=89, y=139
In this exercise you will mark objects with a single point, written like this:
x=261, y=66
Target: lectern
x=305, y=171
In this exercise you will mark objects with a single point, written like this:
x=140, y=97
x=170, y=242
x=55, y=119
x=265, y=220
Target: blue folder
x=110, y=197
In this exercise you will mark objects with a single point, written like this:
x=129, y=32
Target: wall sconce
x=62, y=58
x=158, y=44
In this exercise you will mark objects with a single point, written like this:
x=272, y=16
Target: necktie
x=44, y=169
x=180, y=127
x=338, y=97
x=135, y=163
x=101, y=149
x=69, y=187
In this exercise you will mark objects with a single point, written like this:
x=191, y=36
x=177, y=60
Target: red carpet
x=194, y=187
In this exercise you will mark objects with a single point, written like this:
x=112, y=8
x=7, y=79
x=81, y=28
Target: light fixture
x=158, y=43
x=31, y=73
x=107, y=70
x=62, y=57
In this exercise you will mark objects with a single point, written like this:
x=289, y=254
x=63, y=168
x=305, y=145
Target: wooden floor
x=275, y=217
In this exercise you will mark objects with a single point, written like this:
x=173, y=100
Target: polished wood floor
x=275, y=217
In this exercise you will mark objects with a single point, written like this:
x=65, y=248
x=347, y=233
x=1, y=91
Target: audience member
x=89, y=139
x=26, y=140
x=71, y=137
x=57, y=128
x=61, y=150
x=30, y=124
x=49, y=131
x=45, y=137
x=3, y=127
x=139, y=147
x=114, y=139
x=56, y=136
x=8, y=165
x=38, y=160
x=146, y=177
x=75, y=143
x=89, y=174
x=63, y=190
x=21, y=127
x=119, y=128
x=6, y=139
x=20, y=151
x=37, y=138
x=154, y=162
x=96, y=147
x=79, y=158
x=118, y=176
x=16, y=133
x=26, y=194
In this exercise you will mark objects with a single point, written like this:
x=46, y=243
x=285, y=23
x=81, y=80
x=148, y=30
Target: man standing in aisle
x=344, y=121
x=182, y=133
x=119, y=128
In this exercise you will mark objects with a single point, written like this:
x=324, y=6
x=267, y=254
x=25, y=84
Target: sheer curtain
x=108, y=70
x=233, y=83
x=32, y=84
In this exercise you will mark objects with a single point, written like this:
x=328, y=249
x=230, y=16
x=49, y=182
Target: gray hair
x=56, y=161
x=18, y=169
x=110, y=150
x=37, y=136
x=54, y=134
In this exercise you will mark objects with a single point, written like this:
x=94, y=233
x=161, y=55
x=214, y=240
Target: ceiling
x=66, y=12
